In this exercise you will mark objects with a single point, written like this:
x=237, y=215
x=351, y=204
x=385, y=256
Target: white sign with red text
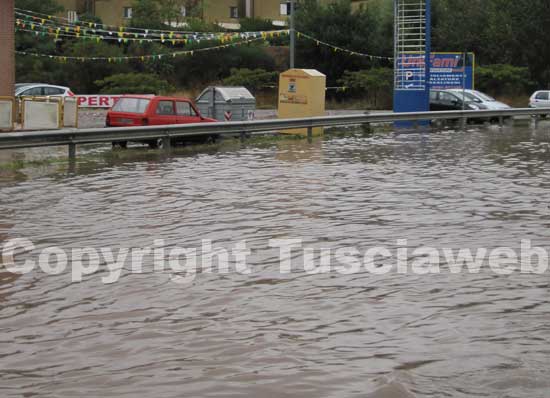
x=97, y=101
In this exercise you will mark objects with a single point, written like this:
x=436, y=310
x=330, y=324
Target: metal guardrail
x=73, y=137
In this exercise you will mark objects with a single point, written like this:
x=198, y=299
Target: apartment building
x=225, y=12
x=111, y=12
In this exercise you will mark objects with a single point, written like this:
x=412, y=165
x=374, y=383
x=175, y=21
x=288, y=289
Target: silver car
x=481, y=98
x=540, y=99
x=40, y=90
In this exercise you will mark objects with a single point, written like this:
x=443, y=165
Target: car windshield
x=28, y=90
x=484, y=97
x=468, y=96
x=131, y=105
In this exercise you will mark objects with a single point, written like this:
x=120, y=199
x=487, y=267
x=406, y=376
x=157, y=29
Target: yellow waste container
x=302, y=94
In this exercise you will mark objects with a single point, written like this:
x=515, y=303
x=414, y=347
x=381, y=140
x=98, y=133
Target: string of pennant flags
x=37, y=16
x=174, y=54
x=261, y=37
x=59, y=34
x=33, y=23
x=149, y=57
x=46, y=25
x=340, y=49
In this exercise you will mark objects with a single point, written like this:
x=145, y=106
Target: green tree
x=373, y=84
x=364, y=31
x=503, y=79
x=199, y=25
x=134, y=83
x=204, y=68
x=42, y=6
x=252, y=79
x=461, y=25
x=146, y=14
x=256, y=24
x=194, y=8
x=89, y=17
x=171, y=11
x=168, y=14
x=519, y=34
x=498, y=31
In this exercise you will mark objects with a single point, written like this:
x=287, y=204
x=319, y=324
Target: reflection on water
x=267, y=334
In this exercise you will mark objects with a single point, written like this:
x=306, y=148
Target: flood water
x=269, y=334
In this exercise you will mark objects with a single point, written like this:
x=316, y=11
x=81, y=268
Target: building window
x=127, y=12
x=233, y=12
x=89, y=7
x=285, y=8
x=72, y=16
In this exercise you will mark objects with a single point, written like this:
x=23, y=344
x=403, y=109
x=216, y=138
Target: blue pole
x=428, y=48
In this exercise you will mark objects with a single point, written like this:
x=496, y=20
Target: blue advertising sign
x=411, y=88
x=411, y=72
x=447, y=71
x=412, y=50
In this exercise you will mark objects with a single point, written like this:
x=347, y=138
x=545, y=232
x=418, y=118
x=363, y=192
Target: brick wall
x=7, y=48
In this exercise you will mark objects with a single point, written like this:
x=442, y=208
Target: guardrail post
x=537, y=121
x=72, y=152
x=463, y=122
x=72, y=158
x=310, y=134
x=242, y=136
x=500, y=121
x=166, y=143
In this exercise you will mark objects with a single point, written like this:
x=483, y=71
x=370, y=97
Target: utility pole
x=292, y=34
x=7, y=48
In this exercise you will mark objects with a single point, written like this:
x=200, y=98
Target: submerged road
x=267, y=333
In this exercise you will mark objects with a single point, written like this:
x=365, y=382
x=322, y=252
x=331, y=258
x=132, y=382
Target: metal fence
x=73, y=137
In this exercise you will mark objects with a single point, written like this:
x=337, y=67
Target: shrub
x=146, y=14
x=89, y=17
x=501, y=79
x=43, y=6
x=256, y=24
x=134, y=83
x=199, y=25
x=204, y=68
x=252, y=79
x=375, y=84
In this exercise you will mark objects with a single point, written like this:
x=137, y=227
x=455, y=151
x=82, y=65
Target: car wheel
x=154, y=144
x=213, y=139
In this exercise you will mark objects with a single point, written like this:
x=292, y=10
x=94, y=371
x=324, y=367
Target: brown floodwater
x=268, y=334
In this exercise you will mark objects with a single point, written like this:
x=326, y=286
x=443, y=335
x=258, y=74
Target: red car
x=150, y=110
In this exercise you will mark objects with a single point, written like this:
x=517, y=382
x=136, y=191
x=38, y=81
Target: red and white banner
x=97, y=101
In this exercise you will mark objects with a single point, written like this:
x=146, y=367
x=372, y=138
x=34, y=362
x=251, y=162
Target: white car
x=540, y=99
x=481, y=98
x=41, y=90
